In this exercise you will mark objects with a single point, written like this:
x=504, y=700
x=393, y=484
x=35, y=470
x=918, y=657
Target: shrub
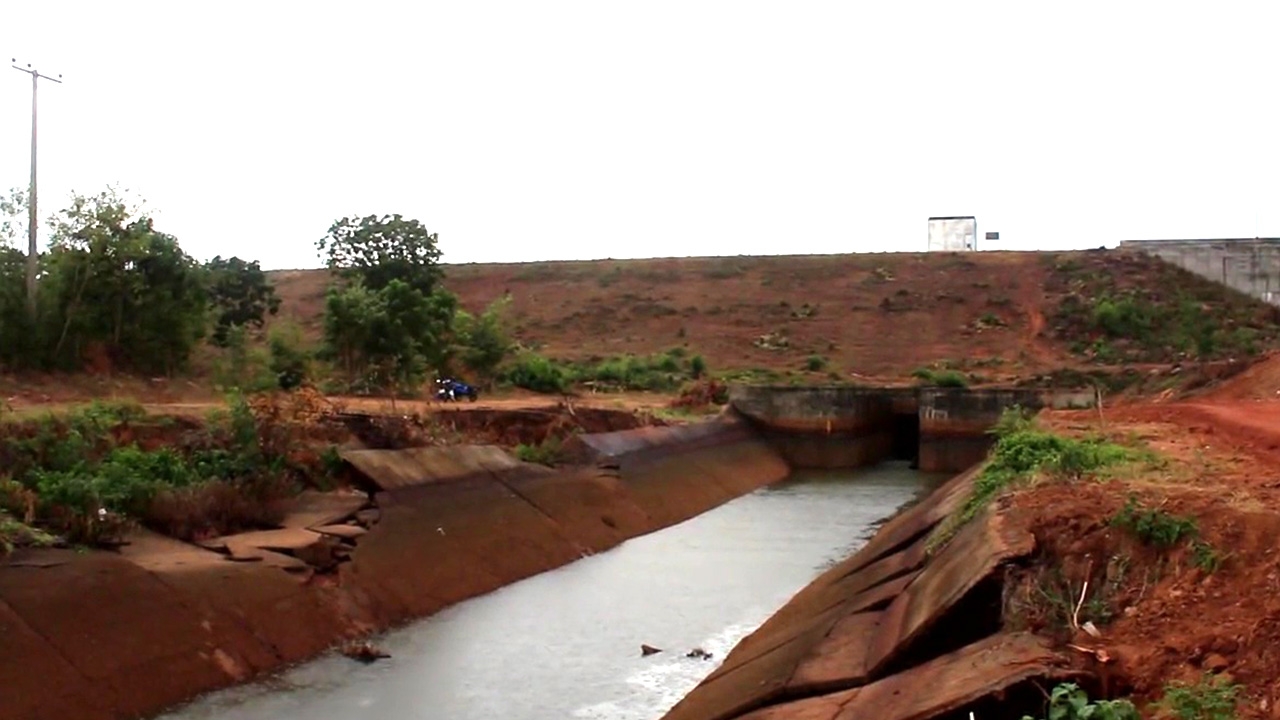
x=815, y=363
x=941, y=378
x=697, y=367
x=1213, y=698
x=1069, y=702
x=535, y=372
x=215, y=507
x=1154, y=526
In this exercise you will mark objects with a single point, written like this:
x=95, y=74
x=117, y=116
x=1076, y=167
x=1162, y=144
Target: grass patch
x=940, y=378
x=549, y=452
x=1162, y=530
x=1154, y=526
x=1022, y=451
x=662, y=372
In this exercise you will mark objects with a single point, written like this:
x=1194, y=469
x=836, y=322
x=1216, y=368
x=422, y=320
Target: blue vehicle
x=450, y=390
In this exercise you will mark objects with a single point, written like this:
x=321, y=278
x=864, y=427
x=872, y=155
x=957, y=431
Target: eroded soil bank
x=129, y=634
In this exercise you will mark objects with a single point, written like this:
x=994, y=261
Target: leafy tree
x=378, y=250
x=387, y=339
x=483, y=340
x=16, y=333
x=239, y=294
x=13, y=216
x=349, y=314
x=114, y=284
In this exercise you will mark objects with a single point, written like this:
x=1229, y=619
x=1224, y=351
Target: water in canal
x=566, y=643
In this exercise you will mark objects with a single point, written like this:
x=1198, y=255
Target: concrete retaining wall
x=854, y=427
x=1250, y=265
x=823, y=426
x=954, y=424
x=103, y=636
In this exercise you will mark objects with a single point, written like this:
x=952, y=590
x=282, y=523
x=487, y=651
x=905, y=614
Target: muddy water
x=566, y=644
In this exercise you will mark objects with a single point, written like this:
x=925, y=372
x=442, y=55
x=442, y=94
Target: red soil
x=1175, y=621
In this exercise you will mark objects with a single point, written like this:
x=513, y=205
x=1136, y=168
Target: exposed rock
x=363, y=651
x=647, y=650
x=698, y=654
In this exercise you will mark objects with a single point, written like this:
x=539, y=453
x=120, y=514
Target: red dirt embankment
x=105, y=635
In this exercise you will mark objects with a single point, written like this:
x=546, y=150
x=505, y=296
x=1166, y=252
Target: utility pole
x=32, y=223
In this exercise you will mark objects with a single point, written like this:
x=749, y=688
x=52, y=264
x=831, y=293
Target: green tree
x=483, y=340
x=13, y=216
x=390, y=322
x=386, y=339
x=378, y=250
x=17, y=342
x=115, y=284
x=240, y=295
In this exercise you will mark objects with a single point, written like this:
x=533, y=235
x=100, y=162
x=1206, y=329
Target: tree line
x=115, y=292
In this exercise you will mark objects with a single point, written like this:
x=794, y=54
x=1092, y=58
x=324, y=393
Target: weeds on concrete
x=1069, y=701
x=549, y=452
x=1212, y=698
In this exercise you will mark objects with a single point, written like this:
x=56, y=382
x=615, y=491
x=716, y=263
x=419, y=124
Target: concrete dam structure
x=444, y=524
x=1250, y=265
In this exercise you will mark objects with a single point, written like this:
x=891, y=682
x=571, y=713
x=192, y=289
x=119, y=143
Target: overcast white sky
x=561, y=130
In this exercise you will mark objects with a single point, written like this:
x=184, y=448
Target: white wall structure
x=953, y=234
x=1250, y=265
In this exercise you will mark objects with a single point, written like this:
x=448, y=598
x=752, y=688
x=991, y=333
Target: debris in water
x=363, y=651
x=647, y=650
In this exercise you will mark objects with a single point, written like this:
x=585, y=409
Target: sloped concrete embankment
x=89, y=636
x=891, y=632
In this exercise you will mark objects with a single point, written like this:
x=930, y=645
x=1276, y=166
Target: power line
x=32, y=223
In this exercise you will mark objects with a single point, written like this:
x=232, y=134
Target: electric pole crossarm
x=32, y=222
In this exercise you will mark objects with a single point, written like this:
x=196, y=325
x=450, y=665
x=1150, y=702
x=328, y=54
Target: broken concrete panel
x=915, y=521
x=976, y=552
x=287, y=539
x=312, y=507
x=348, y=532
x=839, y=660
x=392, y=469
x=939, y=687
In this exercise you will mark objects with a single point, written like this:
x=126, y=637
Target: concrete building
x=1250, y=265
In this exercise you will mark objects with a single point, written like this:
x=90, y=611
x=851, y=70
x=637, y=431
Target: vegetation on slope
x=89, y=474
x=1121, y=307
